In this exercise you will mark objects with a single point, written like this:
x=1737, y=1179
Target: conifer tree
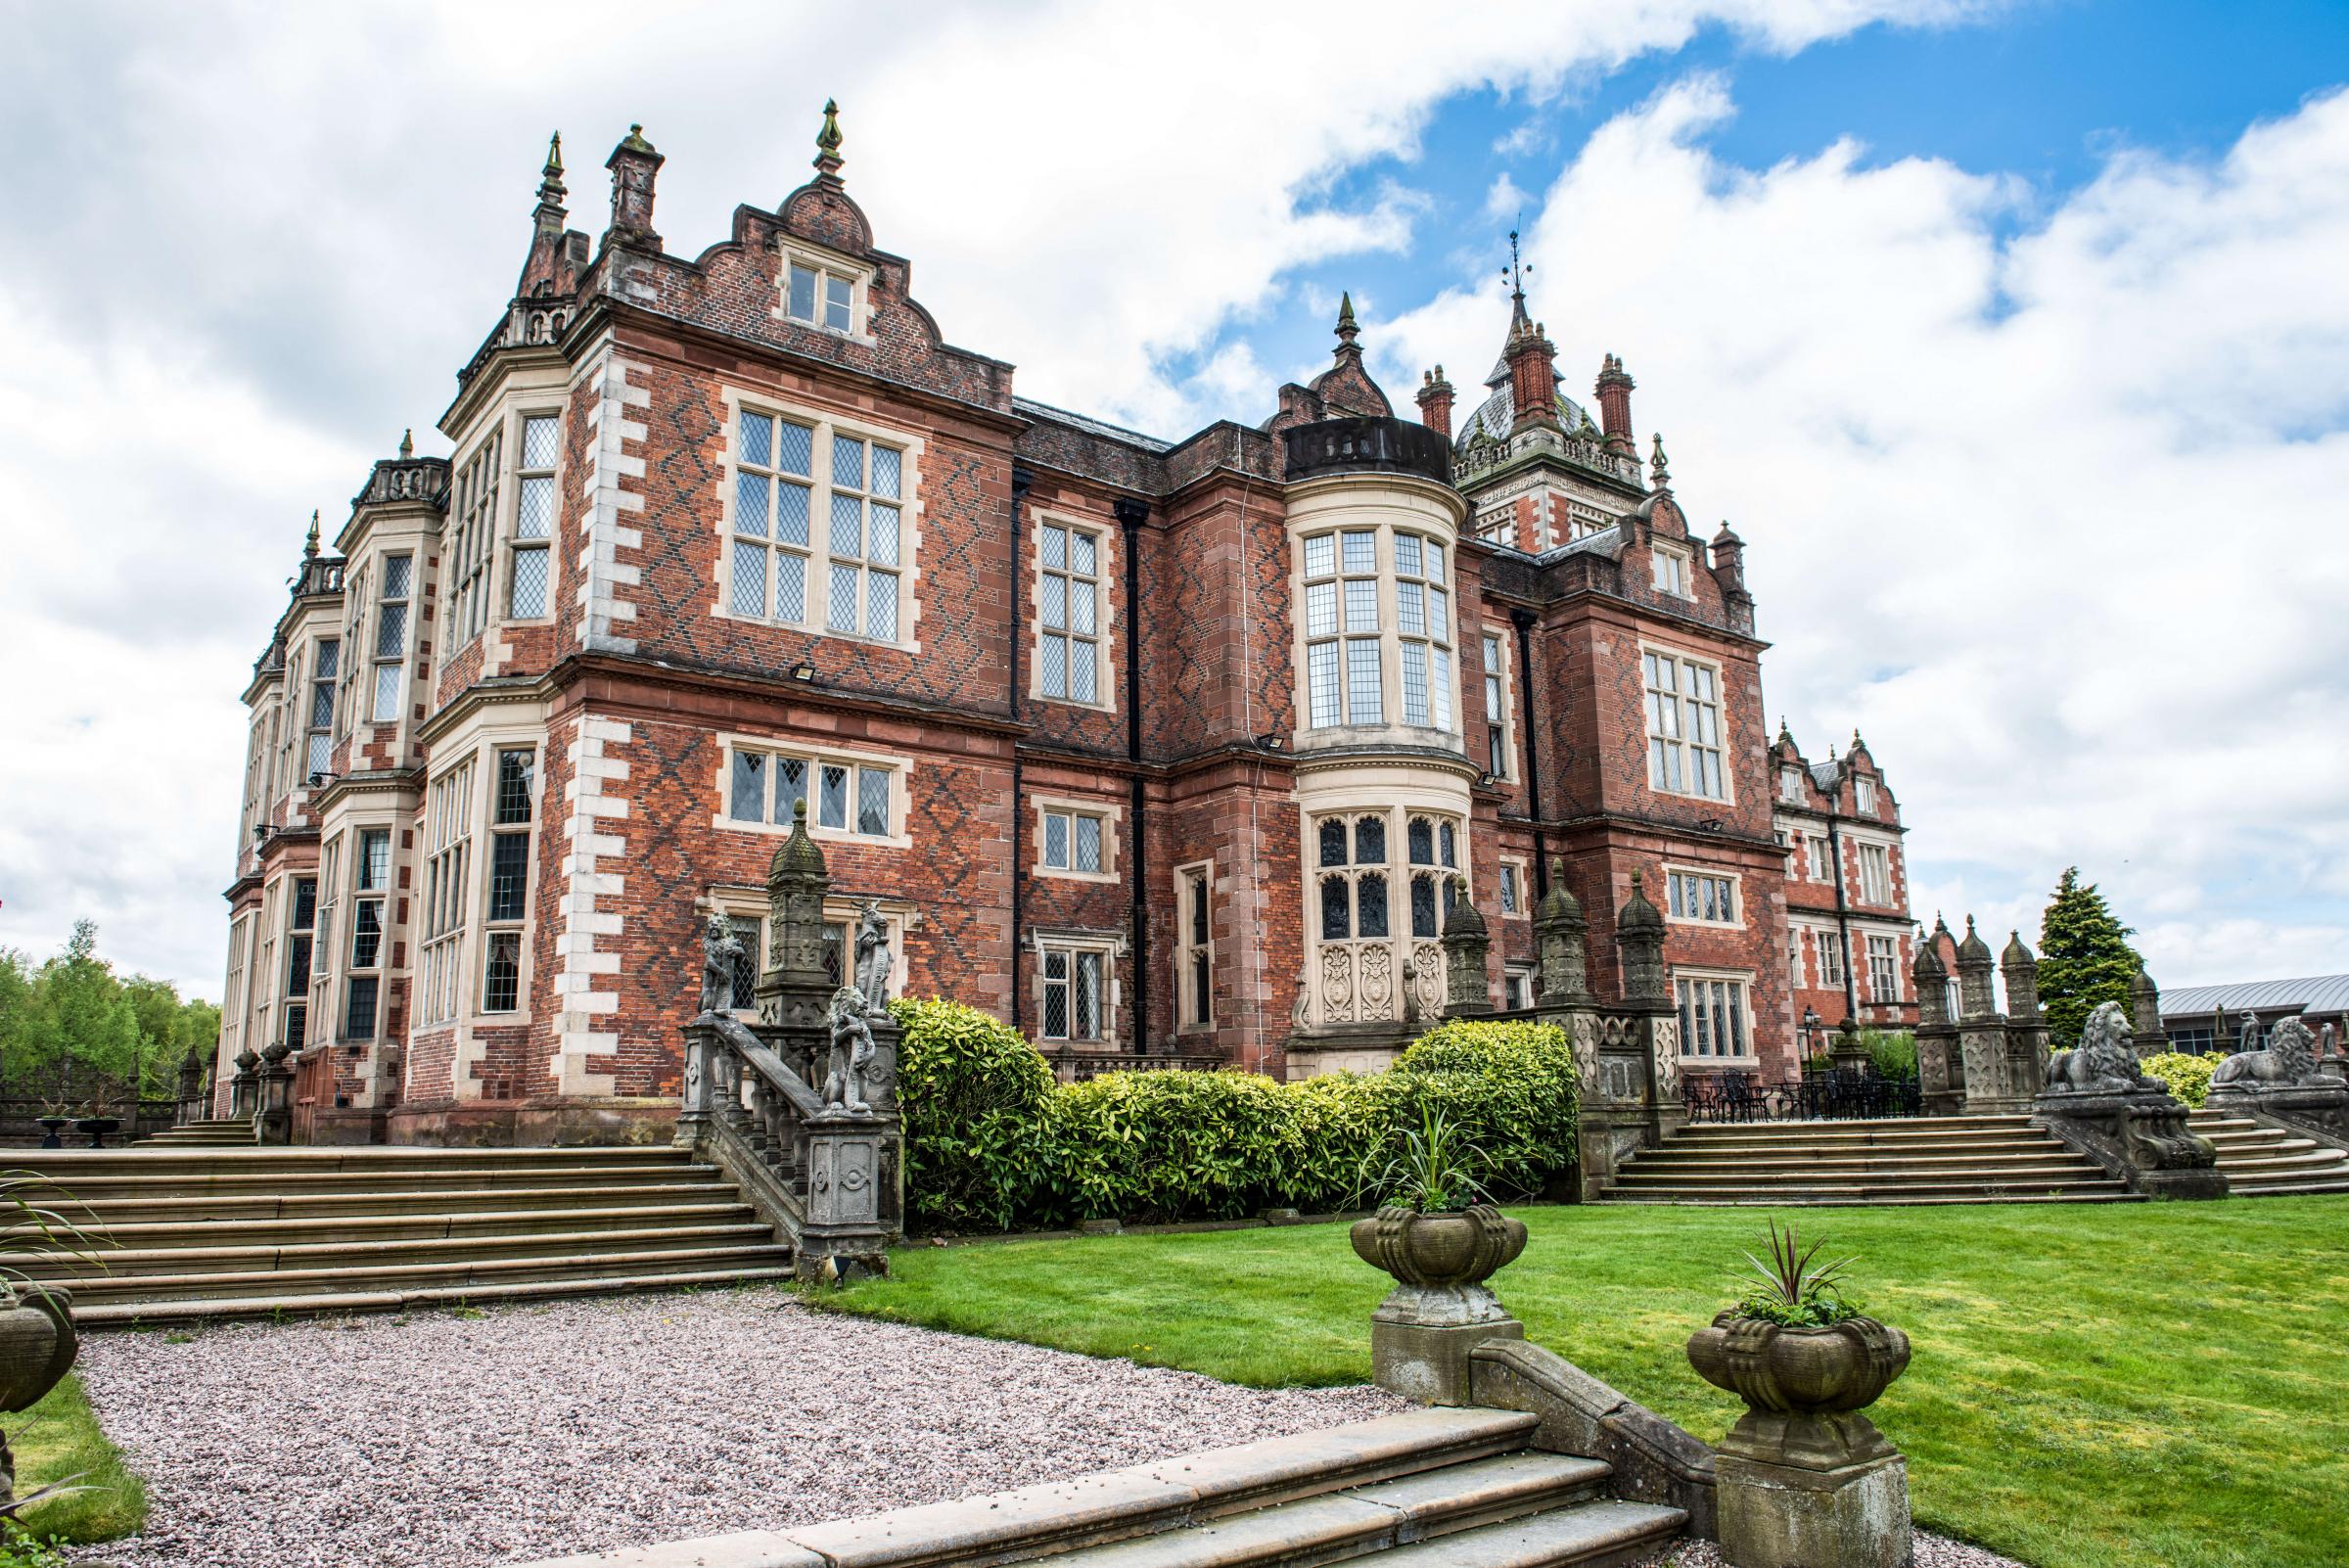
x=2084, y=957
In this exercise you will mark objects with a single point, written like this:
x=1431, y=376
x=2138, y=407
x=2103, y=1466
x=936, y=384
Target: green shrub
x=2186, y=1077
x=1892, y=1051
x=993, y=1143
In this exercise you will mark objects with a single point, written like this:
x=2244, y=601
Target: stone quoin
x=1182, y=750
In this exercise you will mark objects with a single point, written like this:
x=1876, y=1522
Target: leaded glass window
x=1683, y=727
x=1069, y=589
x=773, y=479
x=533, y=517
x=863, y=538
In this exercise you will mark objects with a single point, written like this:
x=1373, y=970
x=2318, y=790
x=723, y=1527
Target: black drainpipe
x=1021, y=479
x=1523, y=621
x=1843, y=921
x=1130, y=513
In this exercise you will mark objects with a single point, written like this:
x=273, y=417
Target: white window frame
x=1082, y=635
x=1883, y=968
x=1790, y=784
x=1795, y=959
x=391, y=668
x=1377, y=631
x=1828, y=945
x=1516, y=987
x=447, y=888
x=829, y=267
x=368, y=894
x=813, y=761
x=1072, y=815
x=477, y=489
x=1674, y=570
x=499, y=830
x=1700, y=996
x=1686, y=746
x=1681, y=890
x=1819, y=855
x=319, y=743
x=1071, y=956
x=532, y=478
x=1863, y=795
x=817, y=554
x=1875, y=874
x=1501, y=751
x=1195, y=944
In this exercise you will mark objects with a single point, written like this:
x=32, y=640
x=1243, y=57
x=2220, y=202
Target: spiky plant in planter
x=37, y=1339
x=1805, y=1359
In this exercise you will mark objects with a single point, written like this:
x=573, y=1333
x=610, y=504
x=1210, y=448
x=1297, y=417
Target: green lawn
x=59, y=1438
x=2165, y=1385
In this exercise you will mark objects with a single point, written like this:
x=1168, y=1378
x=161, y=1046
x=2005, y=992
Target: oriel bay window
x=391, y=635
x=302, y=920
x=323, y=665
x=448, y=845
x=508, y=903
x=1713, y=1021
x=1683, y=727
x=371, y=880
x=1348, y=631
x=1368, y=949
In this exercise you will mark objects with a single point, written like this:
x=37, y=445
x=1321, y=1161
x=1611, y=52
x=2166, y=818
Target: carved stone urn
x=1804, y=1479
x=37, y=1346
x=1439, y=1308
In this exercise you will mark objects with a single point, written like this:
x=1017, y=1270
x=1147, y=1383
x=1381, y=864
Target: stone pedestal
x=2138, y=1134
x=851, y=1190
x=2320, y=1107
x=1419, y=1348
x=1779, y=1515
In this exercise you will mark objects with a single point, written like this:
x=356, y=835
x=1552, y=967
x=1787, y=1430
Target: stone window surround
x=1741, y=978
x=1503, y=768
x=1107, y=541
x=741, y=901
x=1523, y=865
x=470, y=950
x=353, y=832
x=1662, y=552
x=734, y=400
x=1735, y=880
x=1112, y=947
x=1857, y=840
x=1522, y=974
x=1186, y=950
x=790, y=248
x=1873, y=954
x=1863, y=795
x=1720, y=701
x=900, y=783
x=1399, y=792
x=1112, y=819
x=505, y=416
x=507, y=543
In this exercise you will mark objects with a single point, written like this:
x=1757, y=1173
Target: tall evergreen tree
x=2084, y=957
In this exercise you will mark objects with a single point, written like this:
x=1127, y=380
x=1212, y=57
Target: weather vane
x=1514, y=273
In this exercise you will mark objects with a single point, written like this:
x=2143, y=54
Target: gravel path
x=528, y=1432
x=1932, y=1552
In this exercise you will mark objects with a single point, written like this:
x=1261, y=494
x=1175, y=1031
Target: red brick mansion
x=1168, y=749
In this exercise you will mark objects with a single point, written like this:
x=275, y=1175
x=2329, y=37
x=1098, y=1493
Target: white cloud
x=2054, y=520
x=260, y=240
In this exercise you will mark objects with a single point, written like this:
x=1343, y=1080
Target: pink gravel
x=1932, y=1552
x=528, y=1432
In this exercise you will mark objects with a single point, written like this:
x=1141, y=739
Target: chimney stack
x=633, y=164
x=1434, y=402
x=1615, y=406
x=1533, y=372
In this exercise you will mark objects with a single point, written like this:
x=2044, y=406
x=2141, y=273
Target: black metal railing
x=1380, y=445
x=1838, y=1094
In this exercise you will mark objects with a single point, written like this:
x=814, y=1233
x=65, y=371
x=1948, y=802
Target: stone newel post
x=1939, y=1075
x=1467, y=992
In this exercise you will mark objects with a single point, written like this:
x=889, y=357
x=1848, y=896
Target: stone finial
x=551, y=190
x=1347, y=329
x=634, y=164
x=309, y=547
x=1659, y=471
x=2021, y=972
x=1639, y=941
x=2144, y=1012
x=1975, y=996
x=407, y=445
x=1785, y=735
x=827, y=142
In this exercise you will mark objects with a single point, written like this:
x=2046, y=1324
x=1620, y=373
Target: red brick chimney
x=1615, y=406
x=633, y=164
x=1434, y=402
x=1533, y=372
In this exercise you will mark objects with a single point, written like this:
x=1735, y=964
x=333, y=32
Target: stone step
x=264, y=1207
x=1362, y=1521
x=402, y=1278
x=1696, y=1162
x=139, y=1315
x=1595, y=1535
x=1770, y=1136
x=1636, y=1174
x=1808, y=1200
x=67, y=1165
x=55, y=1190
x=2290, y=1189
x=717, y=1203
x=232, y=1254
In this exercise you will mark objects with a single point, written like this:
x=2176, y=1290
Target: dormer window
x=1863, y=794
x=1790, y=784
x=821, y=291
x=1672, y=571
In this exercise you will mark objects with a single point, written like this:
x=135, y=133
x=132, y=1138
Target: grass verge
x=2160, y=1384
x=60, y=1438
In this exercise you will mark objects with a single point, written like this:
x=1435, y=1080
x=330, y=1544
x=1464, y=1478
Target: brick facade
x=1155, y=747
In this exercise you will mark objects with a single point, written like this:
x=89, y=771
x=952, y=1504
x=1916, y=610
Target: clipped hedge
x=2187, y=1076
x=993, y=1143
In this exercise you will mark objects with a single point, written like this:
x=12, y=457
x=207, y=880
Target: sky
x=2013, y=337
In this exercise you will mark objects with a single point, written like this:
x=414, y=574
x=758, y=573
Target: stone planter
x=53, y=1130
x=98, y=1127
x=1805, y=1481
x=37, y=1346
x=1439, y=1308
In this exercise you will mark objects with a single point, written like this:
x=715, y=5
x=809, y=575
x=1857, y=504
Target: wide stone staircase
x=201, y=1232
x=1457, y=1487
x=227, y=1132
x=1911, y=1160
x=2261, y=1160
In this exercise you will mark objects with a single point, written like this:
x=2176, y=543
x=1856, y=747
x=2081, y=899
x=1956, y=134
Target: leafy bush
x=2187, y=1076
x=1892, y=1051
x=993, y=1143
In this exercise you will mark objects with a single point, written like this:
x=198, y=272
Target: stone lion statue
x=851, y=1050
x=2289, y=1060
x=721, y=951
x=2105, y=1061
